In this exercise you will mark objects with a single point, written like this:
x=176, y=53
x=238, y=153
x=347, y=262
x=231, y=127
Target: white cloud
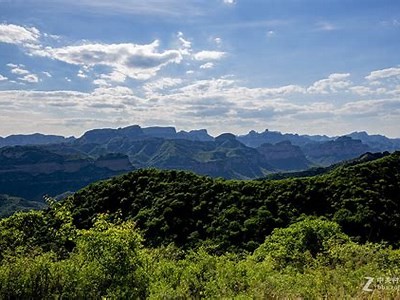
x=162, y=83
x=362, y=90
x=271, y=34
x=384, y=73
x=132, y=60
x=18, y=35
x=26, y=75
x=47, y=74
x=19, y=71
x=334, y=83
x=208, y=65
x=218, y=41
x=204, y=103
x=81, y=74
x=373, y=107
x=101, y=82
x=2, y=78
x=30, y=78
x=209, y=55
x=185, y=43
x=229, y=2
x=114, y=76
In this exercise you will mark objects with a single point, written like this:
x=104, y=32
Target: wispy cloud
x=30, y=78
x=209, y=55
x=165, y=8
x=18, y=35
x=384, y=73
x=131, y=60
x=229, y=2
x=208, y=65
x=25, y=75
x=334, y=83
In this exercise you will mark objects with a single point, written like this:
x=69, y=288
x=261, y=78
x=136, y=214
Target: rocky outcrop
x=327, y=153
x=102, y=136
x=284, y=156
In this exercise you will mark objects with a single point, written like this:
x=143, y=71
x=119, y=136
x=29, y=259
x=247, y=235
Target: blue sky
x=304, y=66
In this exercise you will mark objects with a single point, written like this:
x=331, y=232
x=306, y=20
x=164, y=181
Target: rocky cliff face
x=327, y=153
x=284, y=156
x=102, y=136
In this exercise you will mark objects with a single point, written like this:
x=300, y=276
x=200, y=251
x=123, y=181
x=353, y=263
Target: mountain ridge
x=252, y=139
x=31, y=171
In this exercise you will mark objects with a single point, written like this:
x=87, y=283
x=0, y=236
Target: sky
x=301, y=66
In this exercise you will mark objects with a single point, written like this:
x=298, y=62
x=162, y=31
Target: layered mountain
x=284, y=156
x=33, y=139
x=376, y=142
x=223, y=157
x=34, y=171
x=135, y=132
x=61, y=165
x=256, y=139
x=330, y=152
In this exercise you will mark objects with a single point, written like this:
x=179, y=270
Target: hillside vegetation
x=187, y=209
x=173, y=234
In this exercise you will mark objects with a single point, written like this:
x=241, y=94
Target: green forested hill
x=186, y=209
x=107, y=241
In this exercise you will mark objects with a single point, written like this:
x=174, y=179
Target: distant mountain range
x=37, y=164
